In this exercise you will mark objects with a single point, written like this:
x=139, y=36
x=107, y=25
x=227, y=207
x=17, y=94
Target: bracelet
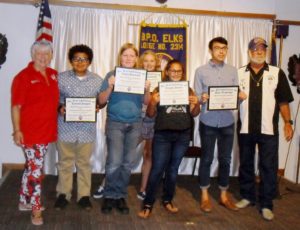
x=289, y=122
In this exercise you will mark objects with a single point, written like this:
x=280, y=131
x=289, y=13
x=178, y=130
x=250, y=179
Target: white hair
x=43, y=44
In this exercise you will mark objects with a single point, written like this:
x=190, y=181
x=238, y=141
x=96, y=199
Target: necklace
x=257, y=81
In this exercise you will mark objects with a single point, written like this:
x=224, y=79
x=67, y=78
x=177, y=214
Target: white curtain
x=106, y=30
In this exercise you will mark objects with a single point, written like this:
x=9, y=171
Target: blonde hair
x=125, y=47
x=142, y=57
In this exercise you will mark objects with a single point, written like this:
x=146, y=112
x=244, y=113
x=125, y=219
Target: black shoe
x=99, y=193
x=107, y=205
x=141, y=195
x=121, y=206
x=85, y=203
x=61, y=202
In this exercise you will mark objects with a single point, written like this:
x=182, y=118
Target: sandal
x=36, y=218
x=170, y=207
x=145, y=212
x=27, y=207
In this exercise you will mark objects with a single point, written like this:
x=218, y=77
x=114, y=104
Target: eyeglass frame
x=176, y=71
x=218, y=48
x=80, y=60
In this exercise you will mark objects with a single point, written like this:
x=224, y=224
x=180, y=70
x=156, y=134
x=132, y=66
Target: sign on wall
x=167, y=41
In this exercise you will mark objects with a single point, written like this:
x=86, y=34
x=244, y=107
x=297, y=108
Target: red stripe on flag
x=45, y=36
x=44, y=28
x=47, y=25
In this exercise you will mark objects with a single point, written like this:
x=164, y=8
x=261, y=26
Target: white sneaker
x=27, y=207
x=243, y=203
x=267, y=214
x=99, y=193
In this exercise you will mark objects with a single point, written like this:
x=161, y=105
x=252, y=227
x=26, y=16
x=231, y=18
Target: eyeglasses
x=79, y=59
x=218, y=48
x=175, y=71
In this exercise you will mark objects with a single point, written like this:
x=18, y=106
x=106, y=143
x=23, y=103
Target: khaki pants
x=69, y=154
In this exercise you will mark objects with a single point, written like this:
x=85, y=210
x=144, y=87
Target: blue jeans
x=267, y=165
x=122, y=140
x=168, y=150
x=224, y=137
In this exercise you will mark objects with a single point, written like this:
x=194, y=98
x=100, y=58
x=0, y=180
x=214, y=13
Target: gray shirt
x=213, y=74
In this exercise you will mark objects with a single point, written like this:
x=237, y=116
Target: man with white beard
x=267, y=93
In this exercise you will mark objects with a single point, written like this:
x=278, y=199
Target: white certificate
x=154, y=78
x=223, y=97
x=80, y=109
x=174, y=93
x=130, y=80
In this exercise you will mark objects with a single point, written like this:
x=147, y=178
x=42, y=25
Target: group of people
x=38, y=110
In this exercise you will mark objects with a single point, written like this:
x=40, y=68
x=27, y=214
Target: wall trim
x=152, y=9
x=11, y=166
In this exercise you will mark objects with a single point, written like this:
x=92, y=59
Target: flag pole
x=280, y=51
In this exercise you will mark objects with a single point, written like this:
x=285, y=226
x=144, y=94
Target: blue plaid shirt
x=71, y=86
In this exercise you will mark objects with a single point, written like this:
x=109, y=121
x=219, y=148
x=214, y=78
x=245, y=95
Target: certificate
x=174, y=93
x=130, y=80
x=154, y=78
x=223, y=97
x=80, y=109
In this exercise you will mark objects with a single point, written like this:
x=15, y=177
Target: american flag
x=273, y=59
x=44, y=28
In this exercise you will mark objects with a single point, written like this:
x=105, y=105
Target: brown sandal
x=36, y=217
x=170, y=207
x=145, y=212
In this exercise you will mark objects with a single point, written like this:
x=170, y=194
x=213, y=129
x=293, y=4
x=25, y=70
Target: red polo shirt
x=39, y=101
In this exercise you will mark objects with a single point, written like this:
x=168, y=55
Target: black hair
x=217, y=39
x=293, y=61
x=80, y=49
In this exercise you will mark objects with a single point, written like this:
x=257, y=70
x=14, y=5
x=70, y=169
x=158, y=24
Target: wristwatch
x=290, y=122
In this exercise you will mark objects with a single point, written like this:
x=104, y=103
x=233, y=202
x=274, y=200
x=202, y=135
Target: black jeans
x=267, y=165
x=224, y=138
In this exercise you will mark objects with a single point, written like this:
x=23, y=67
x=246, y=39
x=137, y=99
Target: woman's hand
x=151, y=108
x=193, y=100
x=194, y=105
x=147, y=85
x=18, y=137
x=155, y=98
x=15, y=116
x=111, y=82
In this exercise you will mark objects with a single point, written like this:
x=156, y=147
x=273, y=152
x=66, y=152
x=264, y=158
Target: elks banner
x=167, y=41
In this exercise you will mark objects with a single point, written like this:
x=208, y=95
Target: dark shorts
x=147, y=130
